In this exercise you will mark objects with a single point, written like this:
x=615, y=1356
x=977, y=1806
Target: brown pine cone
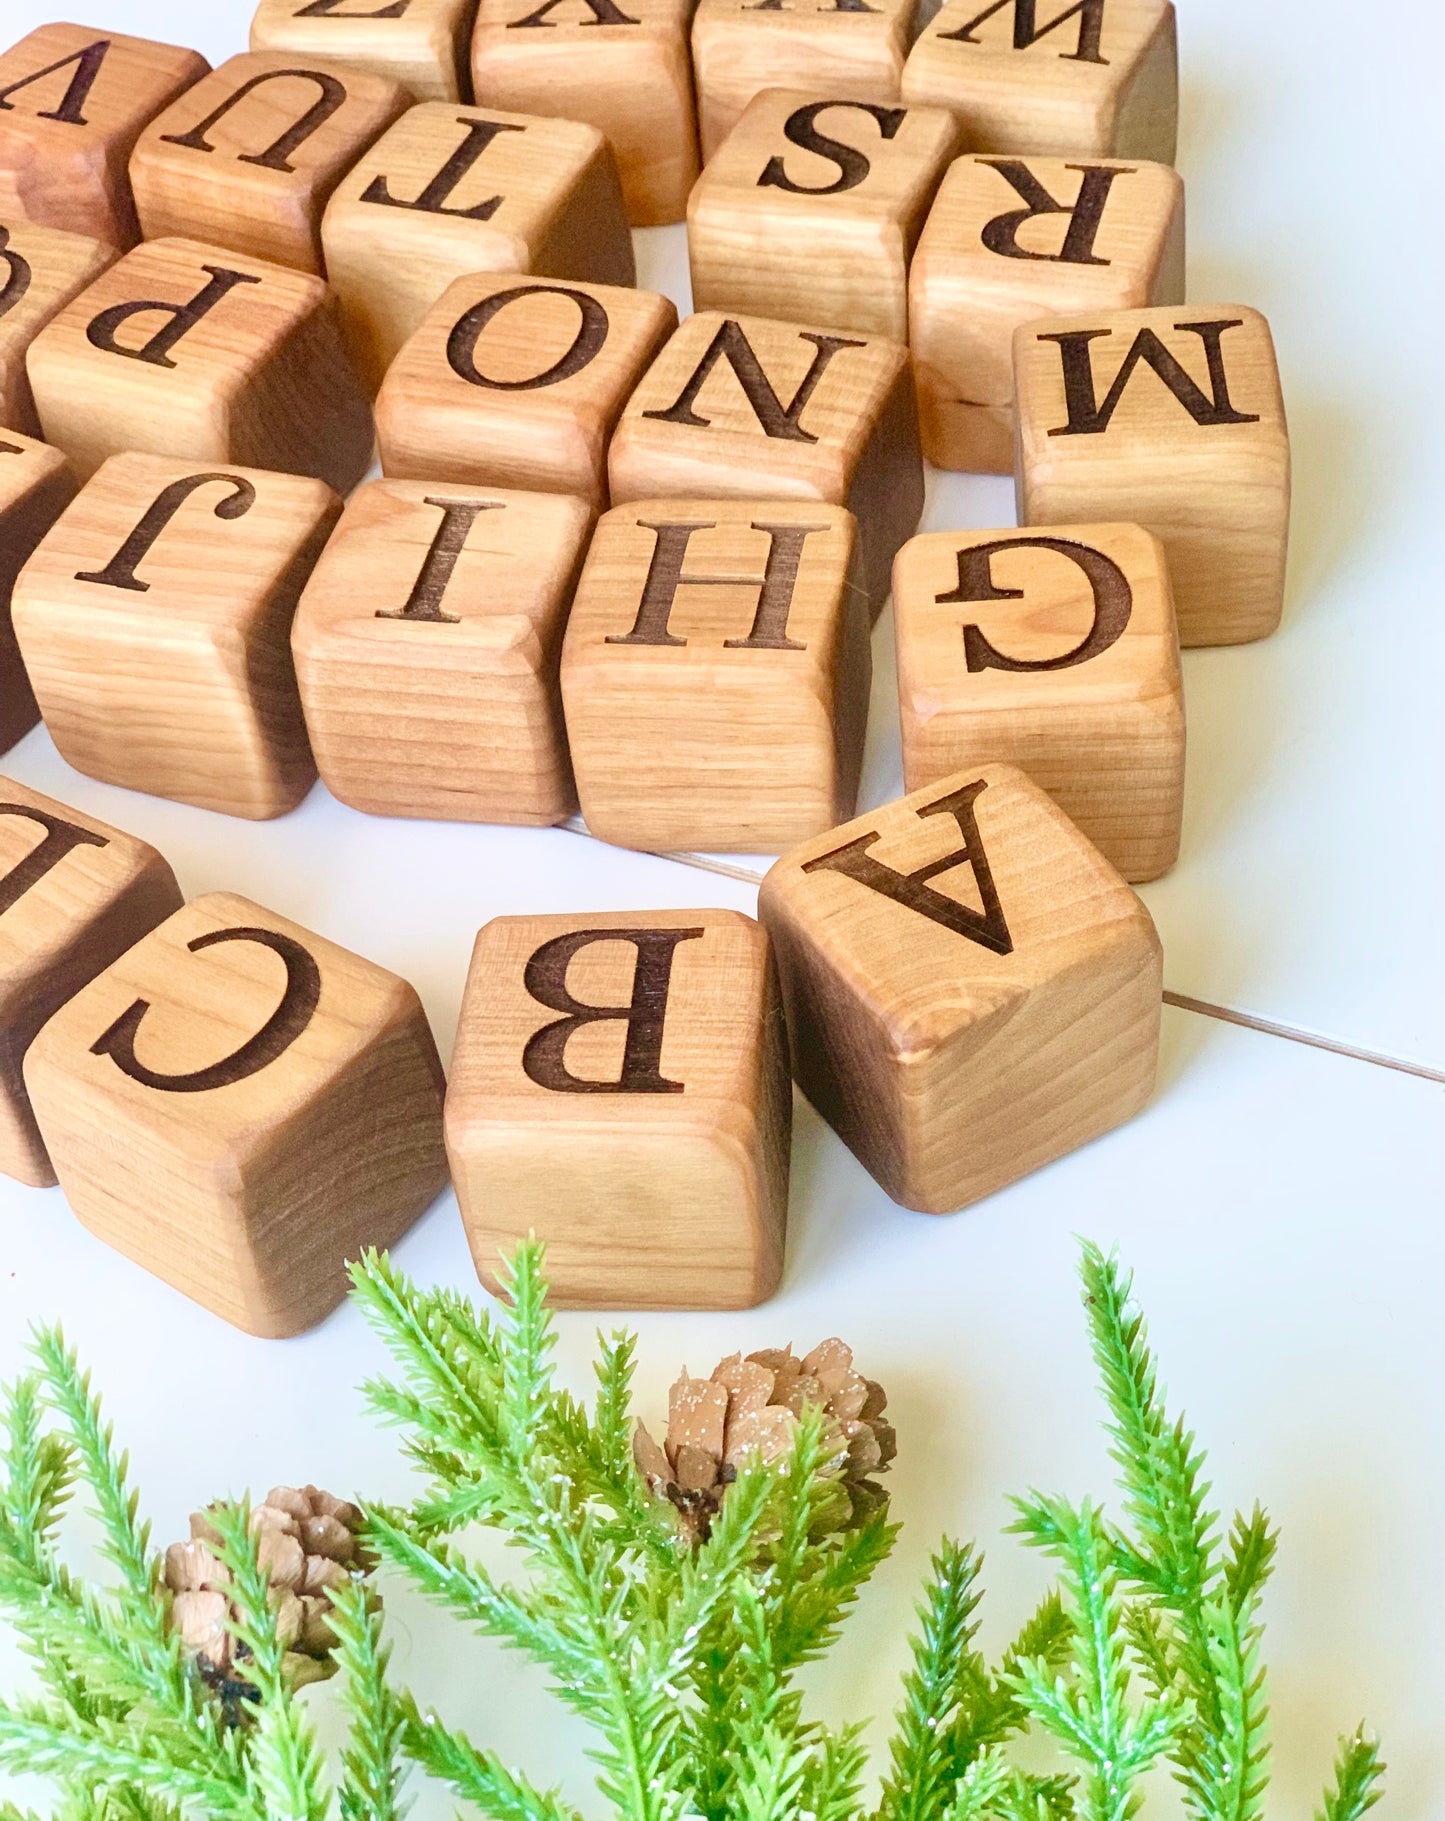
x=751, y=1406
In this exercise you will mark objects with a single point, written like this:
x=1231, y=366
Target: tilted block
x=810, y=210
x=189, y=350
x=422, y=44
x=1055, y=651
x=620, y=1088
x=747, y=408
x=1081, y=78
x=622, y=66
x=72, y=103
x=972, y=991
x=41, y=269
x=518, y=381
x=426, y=648
x=249, y=156
x=155, y=620
x=36, y=485
x=1009, y=240
x=448, y=192
x=1173, y=419
x=74, y=894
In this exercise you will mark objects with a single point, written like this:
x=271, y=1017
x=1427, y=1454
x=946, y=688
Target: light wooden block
x=1009, y=240
x=72, y=103
x=36, y=485
x=1055, y=651
x=1091, y=79
x=748, y=408
x=249, y=157
x=852, y=50
x=519, y=381
x=155, y=620
x=622, y=66
x=810, y=210
x=240, y=1106
x=715, y=674
x=1171, y=418
x=426, y=648
x=74, y=894
x=448, y=192
x=189, y=350
x=422, y=44
x=972, y=991
x=41, y=269
x=620, y=1088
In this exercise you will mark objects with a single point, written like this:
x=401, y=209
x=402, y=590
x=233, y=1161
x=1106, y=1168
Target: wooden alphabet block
x=1009, y=240
x=620, y=1087
x=74, y=894
x=1093, y=79
x=747, y=408
x=715, y=674
x=972, y=991
x=448, y=192
x=189, y=350
x=426, y=648
x=622, y=66
x=36, y=486
x=240, y=1106
x=72, y=104
x=852, y=50
x=1055, y=651
x=422, y=44
x=249, y=156
x=810, y=210
x=155, y=620
x=519, y=381
x=1171, y=418
x=41, y=269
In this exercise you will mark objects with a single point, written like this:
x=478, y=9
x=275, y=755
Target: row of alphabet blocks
x=966, y=988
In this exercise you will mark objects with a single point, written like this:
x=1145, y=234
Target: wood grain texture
x=622, y=67
x=240, y=1106
x=519, y=381
x=1062, y=658
x=670, y=1192
x=422, y=44
x=41, y=269
x=249, y=157
x=36, y=485
x=1006, y=1015
x=1193, y=446
x=811, y=208
x=448, y=192
x=1115, y=242
x=256, y=373
x=1094, y=81
x=75, y=893
x=427, y=645
x=155, y=619
x=72, y=102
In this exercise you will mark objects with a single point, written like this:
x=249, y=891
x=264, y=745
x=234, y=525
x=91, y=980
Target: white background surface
x=1284, y=1207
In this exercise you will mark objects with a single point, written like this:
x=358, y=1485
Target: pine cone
x=751, y=1406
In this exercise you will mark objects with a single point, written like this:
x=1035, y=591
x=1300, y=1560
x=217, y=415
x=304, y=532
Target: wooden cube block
x=852, y=50
x=422, y=44
x=36, y=486
x=72, y=103
x=448, y=192
x=155, y=619
x=189, y=350
x=240, y=1106
x=518, y=381
x=622, y=66
x=250, y=155
x=620, y=1087
x=972, y=990
x=1171, y=418
x=74, y=894
x=747, y=408
x=41, y=269
x=1055, y=651
x=1092, y=79
x=715, y=674
x=1012, y=239
x=426, y=648
x=810, y=209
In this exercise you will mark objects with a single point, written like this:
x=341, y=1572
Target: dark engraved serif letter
x=425, y=602
x=17, y=274
x=1027, y=30
x=87, y=68
x=61, y=838
x=586, y=345
x=433, y=199
x=277, y=155
x=101, y=331
x=664, y=577
x=776, y=419
x=120, y=571
x=1001, y=235
x=329, y=9
x=1113, y=601
x=544, y=1060
x=604, y=12
x=800, y=129
x=1087, y=417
